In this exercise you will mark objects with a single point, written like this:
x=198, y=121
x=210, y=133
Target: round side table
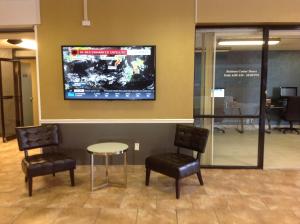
x=107, y=149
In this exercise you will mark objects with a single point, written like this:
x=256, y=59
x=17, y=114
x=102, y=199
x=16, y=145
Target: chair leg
x=26, y=179
x=177, y=186
x=200, y=177
x=53, y=174
x=148, y=171
x=72, y=177
x=30, y=186
x=291, y=129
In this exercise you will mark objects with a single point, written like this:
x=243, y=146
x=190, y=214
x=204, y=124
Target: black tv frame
x=63, y=75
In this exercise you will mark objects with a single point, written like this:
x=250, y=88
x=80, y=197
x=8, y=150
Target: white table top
x=107, y=147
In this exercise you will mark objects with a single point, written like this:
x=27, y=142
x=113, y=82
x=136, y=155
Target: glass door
x=283, y=82
x=9, y=98
x=227, y=94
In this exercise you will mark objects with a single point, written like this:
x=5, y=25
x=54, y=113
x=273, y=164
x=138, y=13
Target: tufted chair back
x=37, y=136
x=192, y=138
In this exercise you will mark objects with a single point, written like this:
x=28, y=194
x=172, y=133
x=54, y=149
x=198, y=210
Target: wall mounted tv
x=109, y=72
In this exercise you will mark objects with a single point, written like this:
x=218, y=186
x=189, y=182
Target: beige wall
x=5, y=53
x=168, y=24
x=252, y=11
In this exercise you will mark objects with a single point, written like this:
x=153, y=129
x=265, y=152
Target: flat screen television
x=218, y=92
x=288, y=91
x=109, y=72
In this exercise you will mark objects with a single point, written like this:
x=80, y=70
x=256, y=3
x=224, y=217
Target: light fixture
x=223, y=49
x=247, y=42
x=23, y=43
x=29, y=44
x=14, y=41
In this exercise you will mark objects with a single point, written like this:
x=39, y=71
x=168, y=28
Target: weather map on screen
x=109, y=73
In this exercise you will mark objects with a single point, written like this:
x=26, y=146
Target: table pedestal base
x=107, y=182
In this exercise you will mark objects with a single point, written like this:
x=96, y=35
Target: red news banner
x=100, y=52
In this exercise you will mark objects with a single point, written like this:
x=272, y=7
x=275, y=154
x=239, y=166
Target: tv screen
x=109, y=72
x=218, y=93
x=288, y=91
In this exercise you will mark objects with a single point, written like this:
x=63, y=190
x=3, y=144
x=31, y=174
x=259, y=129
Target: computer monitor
x=218, y=92
x=288, y=91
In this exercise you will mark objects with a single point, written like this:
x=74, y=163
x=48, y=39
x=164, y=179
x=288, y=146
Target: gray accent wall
x=283, y=70
x=153, y=139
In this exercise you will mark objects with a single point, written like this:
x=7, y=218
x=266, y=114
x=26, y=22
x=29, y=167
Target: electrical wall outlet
x=86, y=22
x=136, y=146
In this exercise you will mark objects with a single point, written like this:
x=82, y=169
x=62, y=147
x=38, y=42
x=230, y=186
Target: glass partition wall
x=282, y=149
x=244, y=79
x=227, y=94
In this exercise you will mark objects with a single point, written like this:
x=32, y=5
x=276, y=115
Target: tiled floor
x=228, y=196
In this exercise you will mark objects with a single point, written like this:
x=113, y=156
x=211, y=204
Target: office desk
x=269, y=110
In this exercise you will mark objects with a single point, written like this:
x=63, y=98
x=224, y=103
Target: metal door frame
x=263, y=86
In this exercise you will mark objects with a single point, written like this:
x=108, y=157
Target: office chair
x=291, y=113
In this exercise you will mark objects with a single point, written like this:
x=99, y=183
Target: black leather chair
x=291, y=113
x=45, y=137
x=178, y=165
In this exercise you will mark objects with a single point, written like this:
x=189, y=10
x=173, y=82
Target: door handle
x=7, y=97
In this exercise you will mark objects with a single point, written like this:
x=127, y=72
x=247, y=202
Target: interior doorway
x=18, y=95
x=10, y=105
x=27, y=96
